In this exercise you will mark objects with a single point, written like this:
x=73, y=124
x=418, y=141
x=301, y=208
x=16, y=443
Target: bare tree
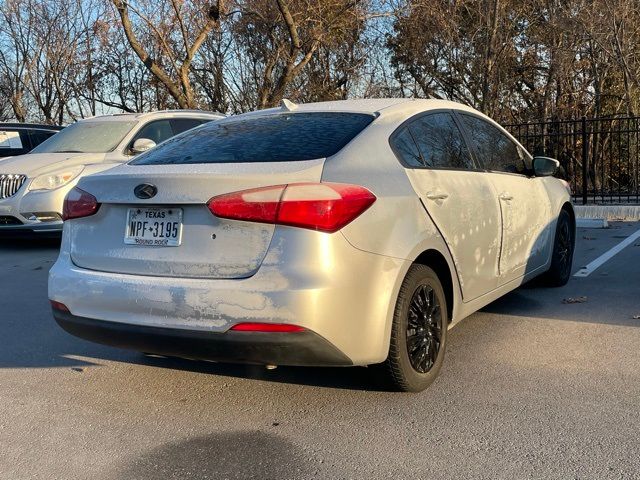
x=15, y=54
x=173, y=65
x=279, y=40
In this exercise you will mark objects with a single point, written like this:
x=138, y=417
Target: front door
x=524, y=204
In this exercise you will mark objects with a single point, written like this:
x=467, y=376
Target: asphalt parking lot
x=531, y=388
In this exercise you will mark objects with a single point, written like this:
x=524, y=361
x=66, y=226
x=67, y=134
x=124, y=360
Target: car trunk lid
x=210, y=247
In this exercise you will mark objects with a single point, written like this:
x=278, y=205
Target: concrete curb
x=591, y=223
x=624, y=213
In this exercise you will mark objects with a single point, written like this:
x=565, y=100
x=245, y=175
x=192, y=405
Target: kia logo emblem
x=145, y=191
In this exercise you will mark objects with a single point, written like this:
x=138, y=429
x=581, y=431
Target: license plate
x=155, y=227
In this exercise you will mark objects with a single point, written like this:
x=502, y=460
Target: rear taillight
x=78, y=204
x=267, y=327
x=326, y=207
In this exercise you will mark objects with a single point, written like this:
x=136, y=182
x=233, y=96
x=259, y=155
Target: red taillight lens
x=255, y=205
x=78, y=204
x=326, y=207
x=267, y=327
x=61, y=307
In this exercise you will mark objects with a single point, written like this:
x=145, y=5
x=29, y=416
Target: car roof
x=30, y=126
x=116, y=117
x=373, y=106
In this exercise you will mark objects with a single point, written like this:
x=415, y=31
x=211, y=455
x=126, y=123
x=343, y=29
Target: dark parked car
x=21, y=138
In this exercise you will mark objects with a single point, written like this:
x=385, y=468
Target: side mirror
x=545, y=166
x=142, y=145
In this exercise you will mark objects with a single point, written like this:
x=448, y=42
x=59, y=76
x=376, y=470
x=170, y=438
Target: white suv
x=33, y=186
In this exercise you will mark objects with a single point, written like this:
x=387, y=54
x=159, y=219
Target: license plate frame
x=154, y=227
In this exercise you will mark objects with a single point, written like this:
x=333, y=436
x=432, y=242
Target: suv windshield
x=86, y=137
x=270, y=138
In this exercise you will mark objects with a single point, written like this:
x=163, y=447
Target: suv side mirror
x=142, y=145
x=545, y=166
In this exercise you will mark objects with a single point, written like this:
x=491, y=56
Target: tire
x=415, y=371
x=562, y=257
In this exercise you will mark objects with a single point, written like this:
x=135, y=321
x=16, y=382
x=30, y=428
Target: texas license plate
x=156, y=227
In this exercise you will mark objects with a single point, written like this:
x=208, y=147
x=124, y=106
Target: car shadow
x=225, y=455
x=36, y=341
x=349, y=378
x=24, y=242
x=605, y=297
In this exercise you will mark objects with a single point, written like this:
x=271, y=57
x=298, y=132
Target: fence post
x=585, y=159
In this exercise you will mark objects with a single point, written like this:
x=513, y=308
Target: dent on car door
x=459, y=199
x=523, y=201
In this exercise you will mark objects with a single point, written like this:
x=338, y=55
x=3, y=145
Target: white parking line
x=598, y=262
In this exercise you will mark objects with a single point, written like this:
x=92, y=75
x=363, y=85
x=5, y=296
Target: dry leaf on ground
x=581, y=299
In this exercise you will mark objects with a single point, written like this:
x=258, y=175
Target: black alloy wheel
x=418, y=333
x=424, y=329
x=564, y=248
x=564, y=243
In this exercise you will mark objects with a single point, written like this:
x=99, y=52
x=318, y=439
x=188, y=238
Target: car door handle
x=507, y=197
x=437, y=195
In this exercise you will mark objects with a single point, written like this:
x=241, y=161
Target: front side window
x=440, y=142
x=496, y=152
x=87, y=137
x=158, y=131
x=269, y=138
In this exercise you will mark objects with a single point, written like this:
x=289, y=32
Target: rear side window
x=496, y=151
x=272, y=138
x=180, y=125
x=406, y=148
x=39, y=136
x=440, y=142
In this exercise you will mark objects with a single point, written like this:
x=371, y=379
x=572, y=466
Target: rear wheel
x=419, y=331
x=562, y=256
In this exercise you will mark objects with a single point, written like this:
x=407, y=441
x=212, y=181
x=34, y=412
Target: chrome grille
x=10, y=184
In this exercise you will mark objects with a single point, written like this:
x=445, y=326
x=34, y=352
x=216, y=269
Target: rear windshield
x=272, y=138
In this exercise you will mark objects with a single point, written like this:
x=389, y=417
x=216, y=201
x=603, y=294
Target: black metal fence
x=600, y=157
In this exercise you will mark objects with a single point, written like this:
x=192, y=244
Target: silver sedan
x=340, y=233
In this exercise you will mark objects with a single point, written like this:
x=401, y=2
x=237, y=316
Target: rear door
x=523, y=200
x=457, y=196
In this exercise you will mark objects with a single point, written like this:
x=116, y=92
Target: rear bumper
x=313, y=280
x=300, y=348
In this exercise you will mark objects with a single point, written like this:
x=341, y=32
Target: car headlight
x=51, y=181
